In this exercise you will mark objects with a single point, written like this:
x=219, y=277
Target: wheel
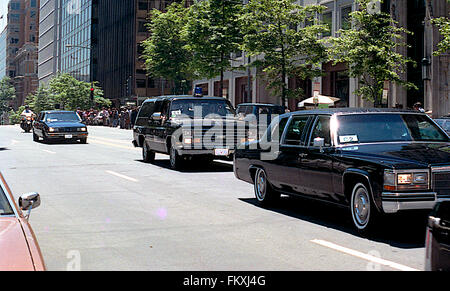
x=263, y=190
x=35, y=137
x=176, y=160
x=363, y=212
x=83, y=140
x=147, y=155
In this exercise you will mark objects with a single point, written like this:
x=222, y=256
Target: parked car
x=187, y=127
x=59, y=125
x=258, y=116
x=437, y=245
x=444, y=122
x=19, y=249
x=373, y=161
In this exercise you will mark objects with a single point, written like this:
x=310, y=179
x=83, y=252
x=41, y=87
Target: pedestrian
x=418, y=107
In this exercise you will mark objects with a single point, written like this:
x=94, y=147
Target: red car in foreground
x=19, y=249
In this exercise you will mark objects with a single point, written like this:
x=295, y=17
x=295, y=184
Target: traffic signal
x=92, y=93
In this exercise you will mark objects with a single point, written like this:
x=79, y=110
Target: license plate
x=68, y=136
x=221, y=152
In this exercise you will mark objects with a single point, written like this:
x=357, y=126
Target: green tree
x=165, y=54
x=72, y=94
x=443, y=24
x=369, y=50
x=7, y=93
x=275, y=31
x=213, y=33
x=41, y=100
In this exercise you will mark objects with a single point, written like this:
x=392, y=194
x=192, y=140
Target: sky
x=4, y=12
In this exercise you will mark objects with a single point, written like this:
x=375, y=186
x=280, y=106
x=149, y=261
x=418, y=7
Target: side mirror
x=319, y=142
x=29, y=201
x=156, y=116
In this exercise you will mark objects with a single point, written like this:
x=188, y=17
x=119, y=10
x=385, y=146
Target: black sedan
x=373, y=161
x=59, y=126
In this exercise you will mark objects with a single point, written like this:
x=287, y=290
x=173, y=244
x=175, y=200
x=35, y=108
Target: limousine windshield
x=200, y=108
x=369, y=128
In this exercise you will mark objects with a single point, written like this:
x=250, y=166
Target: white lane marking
x=47, y=151
x=122, y=176
x=362, y=255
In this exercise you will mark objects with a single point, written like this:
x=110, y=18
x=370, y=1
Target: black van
x=187, y=127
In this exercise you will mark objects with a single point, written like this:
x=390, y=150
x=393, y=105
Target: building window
x=327, y=19
x=345, y=18
x=143, y=5
x=140, y=83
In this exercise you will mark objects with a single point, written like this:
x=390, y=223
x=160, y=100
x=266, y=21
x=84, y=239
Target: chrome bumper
x=394, y=202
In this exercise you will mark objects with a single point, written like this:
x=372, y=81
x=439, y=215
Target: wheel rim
x=260, y=185
x=361, y=206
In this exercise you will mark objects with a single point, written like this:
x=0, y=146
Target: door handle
x=302, y=155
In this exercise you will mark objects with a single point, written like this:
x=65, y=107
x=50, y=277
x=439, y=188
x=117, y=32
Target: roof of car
x=184, y=97
x=259, y=104
x=350, y=110
x=58, y=111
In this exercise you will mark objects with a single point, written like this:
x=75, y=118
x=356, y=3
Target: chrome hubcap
x=260, y=185
x=361, y=206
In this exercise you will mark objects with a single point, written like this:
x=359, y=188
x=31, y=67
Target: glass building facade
x=76, y=39
x=3, y=54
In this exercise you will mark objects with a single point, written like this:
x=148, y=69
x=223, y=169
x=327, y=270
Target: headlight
x=51, y=129
x=82, y=129
x=405, y=180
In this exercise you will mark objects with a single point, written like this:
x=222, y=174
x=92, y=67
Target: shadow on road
x=3, y=149
x=405, y=231
x=194, y=166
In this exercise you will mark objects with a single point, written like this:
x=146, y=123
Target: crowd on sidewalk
x=123, y=117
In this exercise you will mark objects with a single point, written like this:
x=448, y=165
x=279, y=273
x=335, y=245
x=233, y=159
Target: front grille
x=68, y=129
x=228, y=136
x=441, y=181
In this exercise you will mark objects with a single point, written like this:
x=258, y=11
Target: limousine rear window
x=370, y=128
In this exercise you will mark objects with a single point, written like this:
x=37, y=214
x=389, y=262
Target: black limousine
x=374, y=161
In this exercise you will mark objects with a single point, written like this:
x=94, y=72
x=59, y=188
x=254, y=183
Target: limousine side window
x=295, y=130
x=145, y=113
x=321, y=129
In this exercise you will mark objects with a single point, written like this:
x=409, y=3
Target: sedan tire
x=364, y=214
x=265, y=195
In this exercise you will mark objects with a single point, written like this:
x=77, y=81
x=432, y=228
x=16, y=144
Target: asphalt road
x=104, y=209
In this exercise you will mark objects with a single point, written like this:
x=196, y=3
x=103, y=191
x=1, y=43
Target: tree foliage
x=443, y=24
x=213, y=32
x=276, y=31
x=7, y=93
x=67, y=92
x=165, y=53
x=369, y=49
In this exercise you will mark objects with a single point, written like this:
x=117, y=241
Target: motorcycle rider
x=27, y=112
x=24, y=115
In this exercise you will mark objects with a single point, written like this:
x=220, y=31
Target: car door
x=159, y=126
x=285, y=167
x=317, y=162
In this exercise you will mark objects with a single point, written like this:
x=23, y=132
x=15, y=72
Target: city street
x=104, y=209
